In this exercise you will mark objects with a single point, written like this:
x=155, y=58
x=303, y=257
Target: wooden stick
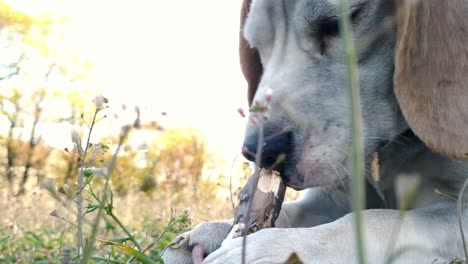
x=266, y=205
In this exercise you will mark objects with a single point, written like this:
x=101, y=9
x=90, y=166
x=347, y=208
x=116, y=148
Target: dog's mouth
x=319, y=174
x=288, y=174
x=304, y=170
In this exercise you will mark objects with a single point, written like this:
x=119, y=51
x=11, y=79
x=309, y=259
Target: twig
x=66, y=220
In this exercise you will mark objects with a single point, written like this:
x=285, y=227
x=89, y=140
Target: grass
x=88, y=223
x=357, y=154
x=29, y=234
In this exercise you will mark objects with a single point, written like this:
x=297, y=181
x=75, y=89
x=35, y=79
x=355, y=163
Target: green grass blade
x=133, y=252
x=357, y=153
x=5, y=239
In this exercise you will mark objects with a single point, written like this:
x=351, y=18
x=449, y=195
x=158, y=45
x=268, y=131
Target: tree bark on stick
x=265, y=206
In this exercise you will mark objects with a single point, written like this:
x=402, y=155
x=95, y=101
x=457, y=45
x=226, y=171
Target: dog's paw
x=266, y=246
x=193, y=246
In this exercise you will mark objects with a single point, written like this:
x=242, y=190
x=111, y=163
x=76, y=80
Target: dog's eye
x=326, y=28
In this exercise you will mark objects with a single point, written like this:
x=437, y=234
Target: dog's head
x=412, y=62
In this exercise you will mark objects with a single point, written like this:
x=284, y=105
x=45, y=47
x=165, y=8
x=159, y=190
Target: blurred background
x=170, y=65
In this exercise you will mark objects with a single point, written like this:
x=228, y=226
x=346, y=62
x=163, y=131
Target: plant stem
x=79, y=202
x=357, y=159
x=88, y=250
x=125, y=230
x=169, y=225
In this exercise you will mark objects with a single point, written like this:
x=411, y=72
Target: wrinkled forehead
x=266, y=16
x=291, y=8
x=269, y=19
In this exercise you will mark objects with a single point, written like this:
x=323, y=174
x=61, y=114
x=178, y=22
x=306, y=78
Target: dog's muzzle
x=277, y=148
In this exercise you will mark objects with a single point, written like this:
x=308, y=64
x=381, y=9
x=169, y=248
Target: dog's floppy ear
x=431, y=72
x=249, y=58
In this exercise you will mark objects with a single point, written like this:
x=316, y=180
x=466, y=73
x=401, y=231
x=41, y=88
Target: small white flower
x=100, y=101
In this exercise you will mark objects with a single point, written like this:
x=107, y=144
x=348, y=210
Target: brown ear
x=249, y=58
x=431, y=72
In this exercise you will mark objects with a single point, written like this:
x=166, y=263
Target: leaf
x=90, y=208
x=5, y=239
x=294, y=259
x=133, y=252
x=120, y=240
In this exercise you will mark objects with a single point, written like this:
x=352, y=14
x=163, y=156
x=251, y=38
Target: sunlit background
x=174, y=61
x=177, y=57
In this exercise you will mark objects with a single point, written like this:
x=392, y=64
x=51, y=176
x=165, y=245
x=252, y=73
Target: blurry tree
x=36, y=67
x=39, y=72
x=10, y=107
x=172, y=165
x=34, y=140
x=177, y=158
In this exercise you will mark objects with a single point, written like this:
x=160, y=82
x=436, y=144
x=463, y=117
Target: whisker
x=387, y=139
x=340, y=178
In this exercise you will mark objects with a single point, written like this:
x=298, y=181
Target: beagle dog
x=412, y=58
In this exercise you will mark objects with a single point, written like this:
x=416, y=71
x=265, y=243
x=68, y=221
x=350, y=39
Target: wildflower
x=241, y=112
x=100, y=101
x=268, y=94
x=187, y=211
x=254, y=121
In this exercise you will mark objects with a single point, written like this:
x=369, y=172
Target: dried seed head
x=76, y=140
x=54, y=213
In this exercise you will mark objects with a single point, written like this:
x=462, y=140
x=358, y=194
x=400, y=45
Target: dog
x=412, y=59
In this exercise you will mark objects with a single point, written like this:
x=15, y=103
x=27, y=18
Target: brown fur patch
x=431, y=75
x=249, y=58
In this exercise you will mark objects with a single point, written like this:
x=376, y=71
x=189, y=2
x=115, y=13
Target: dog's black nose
x=276, y=147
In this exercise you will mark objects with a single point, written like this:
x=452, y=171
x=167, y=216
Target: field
x=40, y=227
